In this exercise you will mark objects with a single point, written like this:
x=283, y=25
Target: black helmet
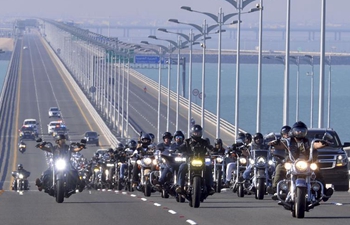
x=60, y=137
x=167, y=135
x=120, y=147
x=218, y=141
x=196, y=132
x=241, y=136
x=97, y=155
x=110, y=150
x=146, y=139
x=179, y=133
x=285, y=130
x=152, y=136
x=299, y=130
x=248, y=137
x=20, y=167
x=132, y=144
x=258, y=138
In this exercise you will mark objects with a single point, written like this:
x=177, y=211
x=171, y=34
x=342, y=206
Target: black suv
x=91, y=137
x=332, y=160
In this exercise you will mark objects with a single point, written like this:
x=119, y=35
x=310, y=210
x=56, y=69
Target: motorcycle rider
x=143, y=149
x=152, y=137
x=257, y=144
x=242, y=144
x=21, y=144
x=299, y=146
x=25, y=173
x=218, y=149
x=167, y=137
x=60, y=149
x=179, y=138
x=186, y=148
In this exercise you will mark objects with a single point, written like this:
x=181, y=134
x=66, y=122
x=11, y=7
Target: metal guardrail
x=225, y=125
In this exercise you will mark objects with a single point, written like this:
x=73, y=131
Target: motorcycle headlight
x=20, y=176
x=60, y=164
x=219, y=159
x=270, y=162
x=196, y=163
x=251, y=161
x=110, y=164
x=207, y=161
x=287, y=166
x=261, y=160
x=242, y=161
x=180, y=159
x=22, y=146
x=96, y=169
x=21, y=134
x=301, y=166
x=313, y=166
x=138, y=162
x=147, y=161
x=155, y=162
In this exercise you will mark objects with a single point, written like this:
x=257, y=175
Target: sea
x=271, y=94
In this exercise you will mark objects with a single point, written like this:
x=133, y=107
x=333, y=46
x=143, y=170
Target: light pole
x=204, y=30
x=191, y=40
x=329, y=92
x=220, y=20
x=238, y=4
x=311, y=62
x=258, y=101
x=322, y=64
x=297, y=63
x=179, y=46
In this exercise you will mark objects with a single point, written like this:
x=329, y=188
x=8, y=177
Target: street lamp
x=220, y=20
x=204, y=30
x=179, y=46
x=238, y=4
x=311, y=62
x=191, y=40
x=297, y=63
x=329, y=92
x=160, y=53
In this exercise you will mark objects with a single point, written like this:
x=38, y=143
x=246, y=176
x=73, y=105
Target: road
x=40, y=86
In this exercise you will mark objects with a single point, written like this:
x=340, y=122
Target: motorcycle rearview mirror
x=327, y=136
x=39, y=140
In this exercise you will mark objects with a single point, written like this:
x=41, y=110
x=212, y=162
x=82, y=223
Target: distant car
x=25, y=47
x=32, y=123
x=52, y=125
x=54, y=112
x=27, y=132
x=60, y=129
x=91, y=137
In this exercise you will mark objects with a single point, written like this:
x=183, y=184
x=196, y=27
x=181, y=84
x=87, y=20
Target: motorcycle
x=62, y=184
x=237, y=183
x=126, y=180
x=301, y=191
x=218, y=164
x=148, y=165
x=22, y=147
x=20, y=182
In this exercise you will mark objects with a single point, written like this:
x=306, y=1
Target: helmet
x=20, y=167
x=196, y=132
x=285, y=130
x=241, y=136
x=208, y=140
x=258, y=138
x=146, y=139
x=218, y=141
x=179, y=133
x=60, y=137
x=248, y=137
x=120, y=147
x=299, y=130
x=110, y=150
x=132, y=144
x=152, y=136
x=167, y=135
x=97, y=155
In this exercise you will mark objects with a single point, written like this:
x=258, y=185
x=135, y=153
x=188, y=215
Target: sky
x=306, y=12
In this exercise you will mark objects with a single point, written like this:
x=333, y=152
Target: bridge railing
x=225, y=125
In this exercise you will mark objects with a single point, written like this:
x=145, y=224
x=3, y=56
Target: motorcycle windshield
x=259, y=152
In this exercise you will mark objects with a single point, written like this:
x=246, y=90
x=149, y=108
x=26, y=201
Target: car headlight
x=20, y=176
x=60, y=164
x=341, y=160
x=301, y=166
x=196, y=163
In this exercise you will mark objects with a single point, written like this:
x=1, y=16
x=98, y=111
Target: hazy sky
x=159, y=11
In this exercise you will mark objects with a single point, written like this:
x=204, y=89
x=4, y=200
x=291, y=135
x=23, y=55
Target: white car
x=52, y=125
x=25, y=47
x=32, y=123
x=54, y=112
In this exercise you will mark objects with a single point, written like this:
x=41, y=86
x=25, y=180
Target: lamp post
x=322, y=65
x=177, y=45
x=297, y=63
x=238, y=4
x=191, y=40
x=220, y=19
x=329, y=92
x=160, y=53
x=311, y=62
x=204, y=30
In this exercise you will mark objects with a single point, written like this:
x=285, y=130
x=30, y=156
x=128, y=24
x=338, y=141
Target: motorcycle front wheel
x=59, y=191
x=196, y=195
x=300, y=202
